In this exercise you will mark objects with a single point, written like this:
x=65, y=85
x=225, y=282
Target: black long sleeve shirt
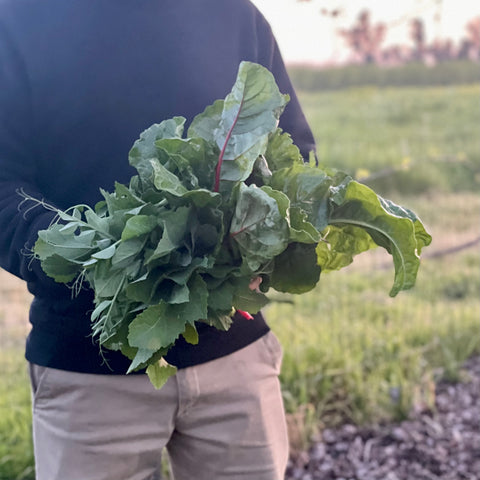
x=79, y=81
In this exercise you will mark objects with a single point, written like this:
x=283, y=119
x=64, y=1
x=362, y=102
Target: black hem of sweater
x=81, y=354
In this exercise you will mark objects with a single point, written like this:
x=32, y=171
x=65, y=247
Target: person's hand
x=255, y=283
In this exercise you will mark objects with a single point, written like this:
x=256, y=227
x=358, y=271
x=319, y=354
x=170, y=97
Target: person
x=79, y=81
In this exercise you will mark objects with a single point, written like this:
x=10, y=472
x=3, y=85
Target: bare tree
x=364, y=38
x=417, y=34
x=473, y=37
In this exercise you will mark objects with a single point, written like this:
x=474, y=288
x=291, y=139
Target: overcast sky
x=304, y=34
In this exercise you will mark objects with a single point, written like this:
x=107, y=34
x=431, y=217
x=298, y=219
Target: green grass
x=16, y=451
x=357, y=355
x=411, y=140
x=412, y=74
x=352, y=353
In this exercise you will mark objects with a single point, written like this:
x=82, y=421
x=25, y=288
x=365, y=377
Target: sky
x=305, y=35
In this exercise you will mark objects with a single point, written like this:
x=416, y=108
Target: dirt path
x=439, y=445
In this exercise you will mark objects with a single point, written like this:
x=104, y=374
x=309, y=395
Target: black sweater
x=79, y=81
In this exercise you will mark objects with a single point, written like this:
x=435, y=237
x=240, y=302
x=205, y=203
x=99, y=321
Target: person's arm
x=20, y=220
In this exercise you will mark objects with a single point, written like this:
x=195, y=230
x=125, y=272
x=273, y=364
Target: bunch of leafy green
x=208, y=211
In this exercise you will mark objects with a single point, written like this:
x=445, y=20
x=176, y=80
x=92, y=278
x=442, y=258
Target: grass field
x=411, y=140
x=352, y=353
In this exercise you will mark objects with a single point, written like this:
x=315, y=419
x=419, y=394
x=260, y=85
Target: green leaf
x=59, y=269
x=220, y=320
x=105, y=253
x=105, y=282
x=250, y=112
x=138, y=225
x=249, y=300
x=301, y=230
x=64, y=244
x=281, y=152
x=308, y=189
x=122, y=199
x=97, y=222
x=258, y=227
x=160, y=372
x=340, y=244
x=165, y=180
x=296, y=269
x=180, y=294
x=205, y=123
x=155, y=328
x=396, y=229
x=190, y=334
x=221, y=296
x=100, y=308
x=142, y=356
x=175, y=224
x=196, y=308
x=145, y=147
x=127, y=250
x=191, y=159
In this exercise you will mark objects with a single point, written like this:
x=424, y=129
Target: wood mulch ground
x=442, y=444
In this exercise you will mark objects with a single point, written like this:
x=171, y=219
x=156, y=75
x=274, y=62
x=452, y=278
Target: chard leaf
x=145, y=147
x=281, y=152
x=340, y=243
x=159, y=372
x=205, y=123
x=283, y=203
x=165, y=181
x=202, y=198
x=301, y=230
x=250, y=112
x=396, y=229
x=296, y=270
x=258, y=227
x=308, y=189
x=191, y=159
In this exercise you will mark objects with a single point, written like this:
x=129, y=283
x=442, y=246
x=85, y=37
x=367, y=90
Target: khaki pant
x=219, y=420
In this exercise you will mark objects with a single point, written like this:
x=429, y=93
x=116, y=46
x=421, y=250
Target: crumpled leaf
x=340, y=244
x=258, y=227
x=396, y=229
